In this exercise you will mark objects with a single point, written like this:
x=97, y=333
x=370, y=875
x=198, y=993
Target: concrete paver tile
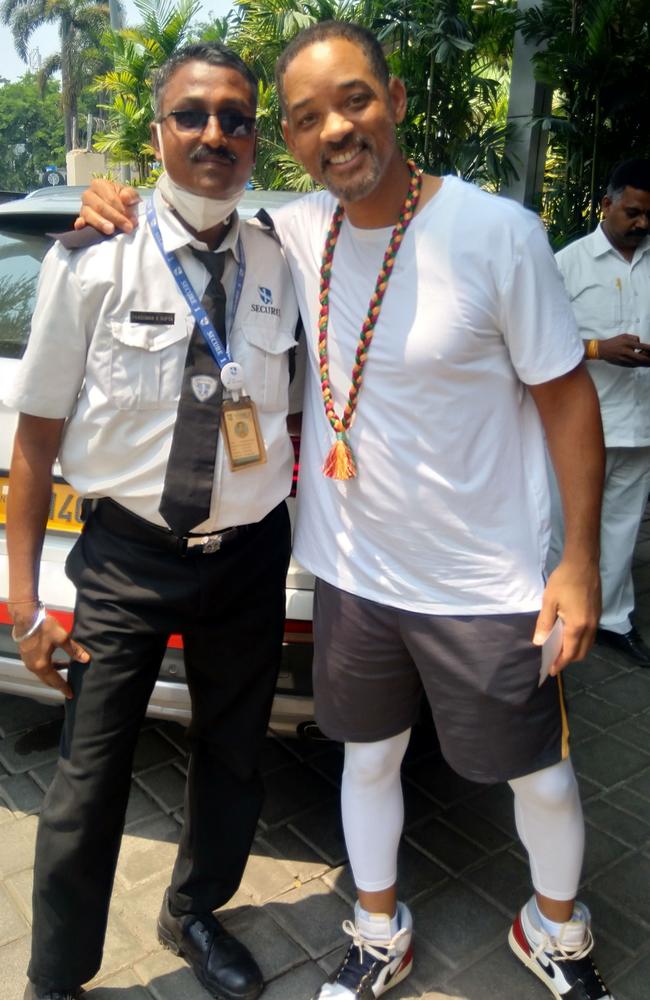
x=138, y=908
x=496, y=804
x=274, y=950
x=167, y=977
x=630, y=829
x=298, y=984
x=153, y=749
x=633, y=983
x=595, y=710
x=302, y=860
x=476, y=828
x=122, y=948
x=148, y=849
x=641, y=784
x=141, y=806
x=13, y=962
x=21, y=793
x=18, y=839
x=291, y=790
x=26, y=750
x=12, y=923
x=626, y=884
x=20, y=714
x=446, y=847
x=313, y=916
x=266, y=875
x=601, y=851
x=630, y=691
x=321, y=829
x=122, y=985
x=166, y=785
x=20, y=888
x=417, y=805
x=630, y=801
x=458, y=922
x=504, y=879
x=440, y=782
x=498, y=976
x=606, y=760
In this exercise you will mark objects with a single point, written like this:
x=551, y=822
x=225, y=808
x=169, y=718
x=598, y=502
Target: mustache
x=211, y=153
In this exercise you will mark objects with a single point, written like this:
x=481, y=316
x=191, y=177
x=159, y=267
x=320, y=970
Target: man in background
x=607, y=276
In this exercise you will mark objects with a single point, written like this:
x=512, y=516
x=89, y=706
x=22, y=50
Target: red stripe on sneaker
x=519, y=935
x=408, y=957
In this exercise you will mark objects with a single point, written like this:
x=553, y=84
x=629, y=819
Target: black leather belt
x=128, y=525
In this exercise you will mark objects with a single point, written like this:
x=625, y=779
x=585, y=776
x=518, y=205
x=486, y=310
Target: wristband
x=39, y=618
x=592, y=350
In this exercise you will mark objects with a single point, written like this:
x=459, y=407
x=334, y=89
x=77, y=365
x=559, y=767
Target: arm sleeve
x=536, y=316
x=51, y=372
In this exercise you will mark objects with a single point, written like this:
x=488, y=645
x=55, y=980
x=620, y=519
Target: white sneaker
x=374, y=962
x=564, y=963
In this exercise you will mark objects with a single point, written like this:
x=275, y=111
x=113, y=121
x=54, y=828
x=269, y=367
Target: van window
x=20, y=261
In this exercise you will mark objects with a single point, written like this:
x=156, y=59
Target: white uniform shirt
x=611, y=295
x=449, y=513
x=117, y=377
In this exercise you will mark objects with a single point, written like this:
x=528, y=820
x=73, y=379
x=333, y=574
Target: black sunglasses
x=231, y=123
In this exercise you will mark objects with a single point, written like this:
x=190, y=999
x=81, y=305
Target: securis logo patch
x=265, y=305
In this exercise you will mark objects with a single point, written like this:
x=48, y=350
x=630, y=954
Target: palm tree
x=135, y=55
x=80, y=24
x=595, y=55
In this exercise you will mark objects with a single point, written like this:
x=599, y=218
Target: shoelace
x=388, y=948
x=556, y=948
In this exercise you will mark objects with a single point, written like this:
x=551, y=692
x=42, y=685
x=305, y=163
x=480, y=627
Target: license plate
x=65, y=507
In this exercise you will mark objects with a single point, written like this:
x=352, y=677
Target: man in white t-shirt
x=607, y=276
x=438, y=309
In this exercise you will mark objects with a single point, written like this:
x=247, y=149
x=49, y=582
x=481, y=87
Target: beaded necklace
x=340, y=463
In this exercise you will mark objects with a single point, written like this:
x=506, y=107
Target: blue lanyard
x=212, y=338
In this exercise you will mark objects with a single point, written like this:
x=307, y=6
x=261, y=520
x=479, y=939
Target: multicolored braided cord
x=340, y=463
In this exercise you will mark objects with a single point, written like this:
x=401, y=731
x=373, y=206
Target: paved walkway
x=462, y=870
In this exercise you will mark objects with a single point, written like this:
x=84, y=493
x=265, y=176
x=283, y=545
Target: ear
x=397, y=96
x=605, y=205
x=153, y=131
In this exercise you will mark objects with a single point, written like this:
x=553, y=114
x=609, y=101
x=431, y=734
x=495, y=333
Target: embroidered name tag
x=154, y=318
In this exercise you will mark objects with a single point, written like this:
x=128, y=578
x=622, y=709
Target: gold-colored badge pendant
x=241, y=431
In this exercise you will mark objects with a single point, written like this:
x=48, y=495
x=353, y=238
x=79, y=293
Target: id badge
x=241, y=431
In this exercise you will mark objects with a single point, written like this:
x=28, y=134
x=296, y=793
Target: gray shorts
x=480, y=675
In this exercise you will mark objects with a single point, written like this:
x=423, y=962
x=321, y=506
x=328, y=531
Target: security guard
x=157, y=371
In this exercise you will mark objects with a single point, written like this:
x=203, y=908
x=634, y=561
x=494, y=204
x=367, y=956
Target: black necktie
x=186, y=496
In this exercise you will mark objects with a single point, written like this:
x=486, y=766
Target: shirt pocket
x=147, y=364
x=266, y=365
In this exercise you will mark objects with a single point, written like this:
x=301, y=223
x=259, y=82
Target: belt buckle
x=210, y=543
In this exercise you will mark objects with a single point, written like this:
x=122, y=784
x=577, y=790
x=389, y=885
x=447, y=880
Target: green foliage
x=31, y=132
x=596, y=55
x=80, y=24
x=135, y=54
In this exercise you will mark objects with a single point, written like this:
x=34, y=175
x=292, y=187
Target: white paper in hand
x=551, y=649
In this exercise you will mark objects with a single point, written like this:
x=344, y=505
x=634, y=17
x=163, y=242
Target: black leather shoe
x=39, y=993
x=221, y=963
x=630, y=644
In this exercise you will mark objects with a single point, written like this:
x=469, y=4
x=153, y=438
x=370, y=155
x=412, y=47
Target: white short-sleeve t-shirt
x=449, y=511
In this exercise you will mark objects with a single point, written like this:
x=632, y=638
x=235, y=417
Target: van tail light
x=297, y=630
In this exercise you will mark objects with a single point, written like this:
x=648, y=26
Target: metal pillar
x=527, y=144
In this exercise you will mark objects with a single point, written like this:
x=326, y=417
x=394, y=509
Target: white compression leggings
x=548, y=815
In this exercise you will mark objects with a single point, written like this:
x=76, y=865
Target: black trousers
x=229, y=607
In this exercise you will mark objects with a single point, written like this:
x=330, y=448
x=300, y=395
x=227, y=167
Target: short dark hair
x=323, y=32
x=213, y=53
x=631, y=173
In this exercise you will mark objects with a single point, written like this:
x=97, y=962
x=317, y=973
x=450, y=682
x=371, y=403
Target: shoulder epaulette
x=263, y=220
x=79, y=239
